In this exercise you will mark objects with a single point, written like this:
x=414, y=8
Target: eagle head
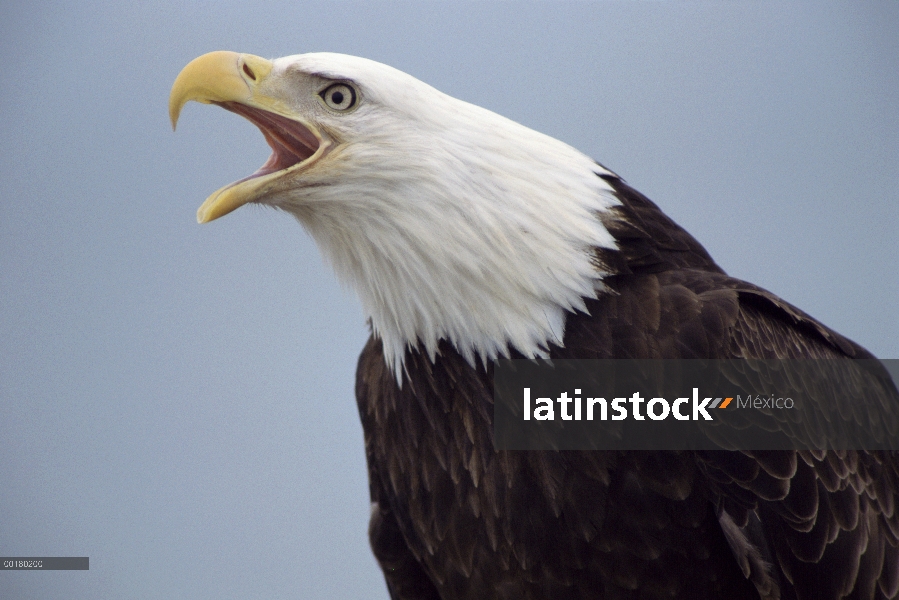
x=448, y=220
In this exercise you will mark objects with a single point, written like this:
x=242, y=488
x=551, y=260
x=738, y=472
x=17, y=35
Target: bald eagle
x=469, y=237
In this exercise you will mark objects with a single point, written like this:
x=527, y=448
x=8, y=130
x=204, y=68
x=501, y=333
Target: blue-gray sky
x=176, y=401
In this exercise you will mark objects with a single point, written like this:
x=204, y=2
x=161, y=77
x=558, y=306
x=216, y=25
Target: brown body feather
x=452, y=518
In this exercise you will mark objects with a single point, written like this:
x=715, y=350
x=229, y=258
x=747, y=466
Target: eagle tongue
x=290, y=141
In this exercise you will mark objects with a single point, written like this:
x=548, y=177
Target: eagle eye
x=339, y=96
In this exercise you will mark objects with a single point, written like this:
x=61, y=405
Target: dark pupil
x=337, y=97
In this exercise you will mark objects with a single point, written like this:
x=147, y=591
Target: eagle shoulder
x=454, y=518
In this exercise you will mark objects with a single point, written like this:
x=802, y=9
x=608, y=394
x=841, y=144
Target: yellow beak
x=223, y=77
x=217, y=77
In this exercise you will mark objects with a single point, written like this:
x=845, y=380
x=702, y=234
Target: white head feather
x=448, y=220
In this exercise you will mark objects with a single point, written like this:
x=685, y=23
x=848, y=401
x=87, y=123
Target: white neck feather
x=459, y=224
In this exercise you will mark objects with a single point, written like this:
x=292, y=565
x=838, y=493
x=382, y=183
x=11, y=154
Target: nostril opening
x=249, y=71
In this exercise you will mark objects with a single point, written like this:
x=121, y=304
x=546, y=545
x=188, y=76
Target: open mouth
x=233, y=81
x=291, y=142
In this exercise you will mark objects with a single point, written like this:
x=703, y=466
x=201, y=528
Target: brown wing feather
x=453, y=518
